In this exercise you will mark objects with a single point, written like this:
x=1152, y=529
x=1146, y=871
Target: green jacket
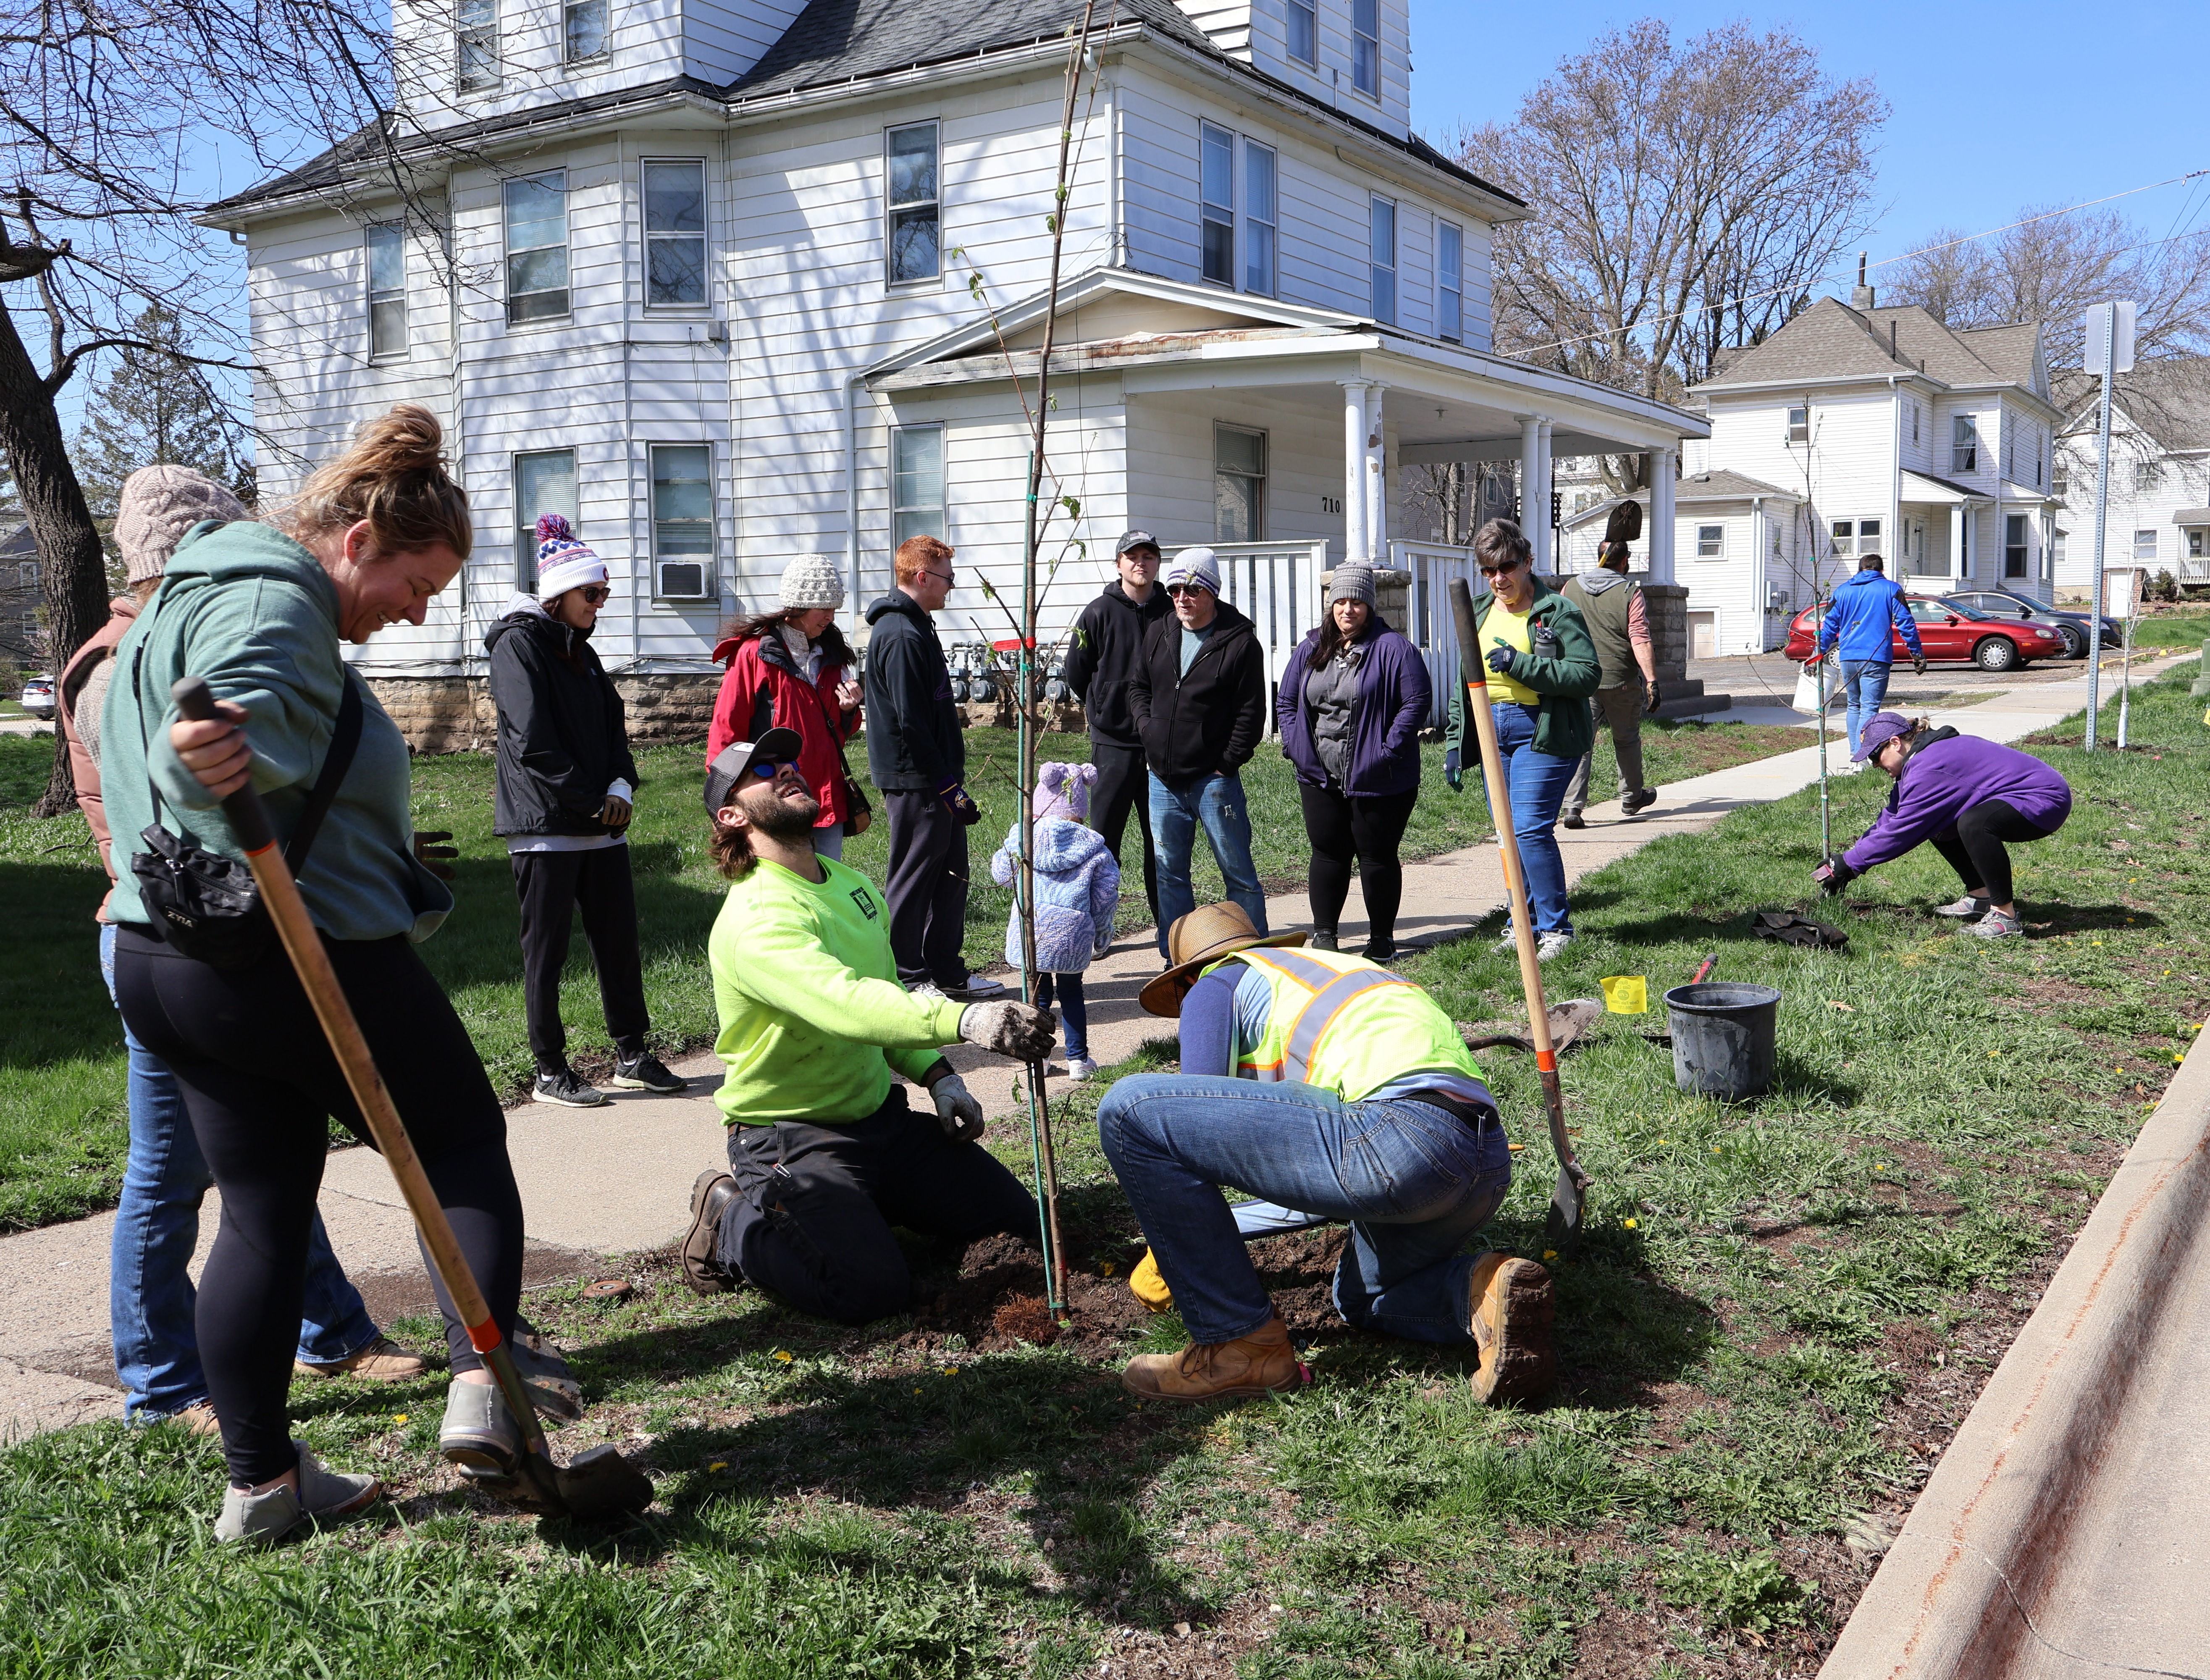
x=254, y=614
x=1562, y=728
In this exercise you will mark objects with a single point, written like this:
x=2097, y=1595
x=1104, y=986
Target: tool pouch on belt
x=206, y=904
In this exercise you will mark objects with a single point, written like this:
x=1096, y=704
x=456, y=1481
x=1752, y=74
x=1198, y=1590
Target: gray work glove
x=957, y=1110
x=1020, y=1031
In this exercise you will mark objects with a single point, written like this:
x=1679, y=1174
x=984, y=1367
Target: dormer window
x=584, y=30
x=476, y=46
x=1304, y=33
x=1365, y=47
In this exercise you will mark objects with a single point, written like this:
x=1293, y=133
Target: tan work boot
x=382, y=1361
x=1515, y=1307
x=199, y=1417
x=1261, y=1363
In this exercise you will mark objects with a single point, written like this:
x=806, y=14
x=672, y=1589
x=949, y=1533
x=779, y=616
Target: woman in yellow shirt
x=1542, y=666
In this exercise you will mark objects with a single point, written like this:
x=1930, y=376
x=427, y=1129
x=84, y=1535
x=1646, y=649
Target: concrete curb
x=2001, y=1545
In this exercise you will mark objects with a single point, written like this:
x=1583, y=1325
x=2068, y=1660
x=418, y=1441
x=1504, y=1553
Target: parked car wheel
x=1997, y=653
x=2075, y=640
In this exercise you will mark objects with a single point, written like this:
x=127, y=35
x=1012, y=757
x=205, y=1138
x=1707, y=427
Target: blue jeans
x=151, y=1302
x=1537, y=783
x=1217, y=802
x=1865, y=682
x=1413, y=1181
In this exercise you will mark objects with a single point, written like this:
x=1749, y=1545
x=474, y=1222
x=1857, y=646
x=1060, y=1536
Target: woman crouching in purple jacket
x=1969, y=797
x=1351, y=708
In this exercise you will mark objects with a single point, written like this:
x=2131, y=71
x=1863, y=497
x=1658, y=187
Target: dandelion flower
x=1634, y=1224
x=1549, y=1253
x=782, y=1357
x=400, y=1418
x=717, y=1467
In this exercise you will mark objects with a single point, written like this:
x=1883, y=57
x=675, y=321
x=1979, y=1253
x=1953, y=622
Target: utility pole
x=2109, y=353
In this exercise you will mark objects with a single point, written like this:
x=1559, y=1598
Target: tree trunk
x=72, y=572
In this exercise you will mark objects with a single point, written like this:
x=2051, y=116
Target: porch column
x=1354, y=471
x=1961, y=559
x=1663, y=488
x=1530, y=468
x=1546, y=558
x=1377, y=480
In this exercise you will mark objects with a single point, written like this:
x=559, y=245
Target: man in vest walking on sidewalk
x=1619, y=623
x=1324, y=1083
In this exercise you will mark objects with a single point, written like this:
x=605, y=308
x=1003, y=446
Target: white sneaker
x=1550, y=944
x=1995, y=925
x=927, y=991
x=979, y=987
x=1079, y=1068
x=1509, y=942
x=1967, y=909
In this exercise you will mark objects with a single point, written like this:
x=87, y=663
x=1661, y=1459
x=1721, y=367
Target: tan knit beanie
x=158, y=505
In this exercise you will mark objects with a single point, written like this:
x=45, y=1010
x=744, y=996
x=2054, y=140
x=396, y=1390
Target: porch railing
x=1434, y=566
x=1277, y=586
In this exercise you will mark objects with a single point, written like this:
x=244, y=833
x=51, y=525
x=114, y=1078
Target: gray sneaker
x=323, y=1495
x=1967, y=909
x=2000, y=925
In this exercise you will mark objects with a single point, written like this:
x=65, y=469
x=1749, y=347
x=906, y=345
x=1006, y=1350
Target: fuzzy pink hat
x=1063, y=790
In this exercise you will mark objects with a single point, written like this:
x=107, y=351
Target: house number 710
x=1331, y=504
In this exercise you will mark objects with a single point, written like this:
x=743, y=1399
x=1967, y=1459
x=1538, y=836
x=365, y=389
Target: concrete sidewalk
x=614, y=1181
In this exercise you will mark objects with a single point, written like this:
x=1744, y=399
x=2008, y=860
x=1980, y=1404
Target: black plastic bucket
x=1723, y=1034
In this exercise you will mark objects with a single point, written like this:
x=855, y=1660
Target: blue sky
x=1993, y=106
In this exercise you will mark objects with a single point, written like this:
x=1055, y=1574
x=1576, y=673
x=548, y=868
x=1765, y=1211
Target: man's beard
x=783, y=819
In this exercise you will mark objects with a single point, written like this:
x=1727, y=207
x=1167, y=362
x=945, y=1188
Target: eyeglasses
x=764, y=769
x=595, y=593
x=1187, y=589
x=943, y=576
x=1500, y=570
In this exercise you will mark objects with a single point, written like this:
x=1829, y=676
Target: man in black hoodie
x=1108, y=644
x=917, y=756
x=1198, y=699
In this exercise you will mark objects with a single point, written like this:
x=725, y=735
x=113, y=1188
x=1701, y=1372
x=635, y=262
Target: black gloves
x=1833, y=875
x=960, y=803
x=1918, y=665
x=1454, y=770
x=1500, y=661
x=1650, y=697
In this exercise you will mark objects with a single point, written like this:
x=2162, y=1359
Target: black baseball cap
x=1135, y=540
x=776, y=747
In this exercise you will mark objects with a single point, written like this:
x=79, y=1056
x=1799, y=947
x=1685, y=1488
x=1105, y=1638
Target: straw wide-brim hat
x=1201, y=938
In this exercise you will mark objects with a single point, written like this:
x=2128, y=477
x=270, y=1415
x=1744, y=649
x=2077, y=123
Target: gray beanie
x=1351, y=582
x=810, y=581
x=158, y=505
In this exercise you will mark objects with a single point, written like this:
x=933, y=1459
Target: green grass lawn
x=62, y=1103
x=2185, y=627
x=1781, y=1310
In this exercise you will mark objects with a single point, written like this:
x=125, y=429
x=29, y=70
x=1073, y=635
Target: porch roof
x=2191, y=515
x=1925, y=488
x=1444, y=402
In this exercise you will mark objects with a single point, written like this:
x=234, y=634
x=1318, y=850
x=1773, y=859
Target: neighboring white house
x=728, y=282
x=2159, y=515
x=1855, y=429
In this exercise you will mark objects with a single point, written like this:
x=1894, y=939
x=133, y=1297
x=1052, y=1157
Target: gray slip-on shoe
x=479, y=1437
x=324, y=1495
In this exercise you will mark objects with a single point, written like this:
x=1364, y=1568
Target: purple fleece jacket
x=1394, y=698
x=1947, y=776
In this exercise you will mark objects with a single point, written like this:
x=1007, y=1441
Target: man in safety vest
x=1323, y=1083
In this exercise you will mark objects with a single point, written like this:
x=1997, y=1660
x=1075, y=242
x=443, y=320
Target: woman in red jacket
x=792, y=669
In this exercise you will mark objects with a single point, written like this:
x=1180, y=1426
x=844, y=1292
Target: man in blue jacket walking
x=1857, y=620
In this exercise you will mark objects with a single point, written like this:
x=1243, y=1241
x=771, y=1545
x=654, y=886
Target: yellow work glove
x=1148, y=1287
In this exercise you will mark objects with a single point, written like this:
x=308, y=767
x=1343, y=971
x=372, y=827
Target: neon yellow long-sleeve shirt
x=813, y=1020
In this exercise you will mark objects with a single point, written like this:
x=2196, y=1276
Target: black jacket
x=1108, y=643
x=1211, y=722
x=563, y=735
x=915, y=735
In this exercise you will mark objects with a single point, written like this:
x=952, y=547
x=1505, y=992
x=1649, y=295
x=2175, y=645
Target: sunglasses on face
x=1508, y=567
x=944, y=577
x=595, y=593
x=1179, y=589
x=765, y=771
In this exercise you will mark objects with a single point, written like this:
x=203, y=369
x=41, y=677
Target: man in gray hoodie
x=1620, y=624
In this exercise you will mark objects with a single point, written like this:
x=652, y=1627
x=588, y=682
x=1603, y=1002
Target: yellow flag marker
x=1626, y=994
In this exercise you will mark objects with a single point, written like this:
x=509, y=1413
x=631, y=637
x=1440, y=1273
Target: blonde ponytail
x=394, y=476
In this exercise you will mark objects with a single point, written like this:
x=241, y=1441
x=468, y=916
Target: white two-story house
x=726, y=281
x=2157, y=516
x=1855, y=429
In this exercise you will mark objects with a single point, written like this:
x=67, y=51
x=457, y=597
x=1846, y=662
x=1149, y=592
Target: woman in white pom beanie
x=791, y=668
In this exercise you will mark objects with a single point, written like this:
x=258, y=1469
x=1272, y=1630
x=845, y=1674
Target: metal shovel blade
x=1562, y=1227
x=1568, y=1021
x=599, y=1486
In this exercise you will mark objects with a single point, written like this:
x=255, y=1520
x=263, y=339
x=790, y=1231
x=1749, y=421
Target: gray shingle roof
x=1830, y=340
x=1718, y=486
x=2169, y=398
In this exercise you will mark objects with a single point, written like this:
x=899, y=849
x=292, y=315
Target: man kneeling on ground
x=1367, y=1108
x=824, y=1155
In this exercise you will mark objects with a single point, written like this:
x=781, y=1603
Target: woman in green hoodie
x=1542, y=666
x=259, y=612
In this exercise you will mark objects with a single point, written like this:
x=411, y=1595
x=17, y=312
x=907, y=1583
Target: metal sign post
x=2109, y=353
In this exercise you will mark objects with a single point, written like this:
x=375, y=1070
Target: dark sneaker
x=644, y=1072
x=711, y=1192
x=1571, y=819
x=1322, y=939
x=1513, y=1307
x=569, y=1092
x=976, y=989
x=323, y=1495
x=1641, y=800
x=1379, y=954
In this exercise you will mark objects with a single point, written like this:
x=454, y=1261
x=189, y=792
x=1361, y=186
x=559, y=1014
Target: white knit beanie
x=811, y=581
x=158, y=505
x=564, y=561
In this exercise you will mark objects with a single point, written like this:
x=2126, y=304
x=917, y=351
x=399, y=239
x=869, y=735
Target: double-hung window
x=1856, y=536
x=1365, y=47
x=1710, y=539
x=1449, y=282
x=1258, y=215
x=2145, y=545
x=2015, y=545
x=683, y=522
x=1799, y=422
x=1964, y=445
x=675, y=231
x=584, y=30
x=537, y=247
x=916, y=483
x=1216, y=196
x=2146, y=475
x=1381, y=255
x=1239, y=485
x=914, y=235
x=1304, y=33
x=476, y=46
x=544, y=482
x=387, y=290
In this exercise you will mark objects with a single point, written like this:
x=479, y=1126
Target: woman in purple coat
x=1969, y=797
x=1351, y=708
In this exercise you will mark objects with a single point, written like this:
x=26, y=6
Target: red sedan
x=1949, y=631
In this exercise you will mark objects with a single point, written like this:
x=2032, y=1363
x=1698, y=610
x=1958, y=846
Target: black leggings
x=1366, y=828
x=260, y=1085
x=552, y=887
x=1975, y=846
